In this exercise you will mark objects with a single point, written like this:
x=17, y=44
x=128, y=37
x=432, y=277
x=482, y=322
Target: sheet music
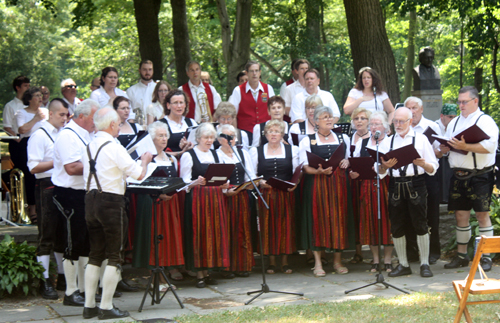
x=151, y=169
x=143, y=146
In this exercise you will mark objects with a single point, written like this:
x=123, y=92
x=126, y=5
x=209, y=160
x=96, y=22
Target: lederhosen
x=49, y=224
x=71, y=204
x=125, y=139
x=263, y=139
x=407, y=200
x=175, y=138
x=106, y=218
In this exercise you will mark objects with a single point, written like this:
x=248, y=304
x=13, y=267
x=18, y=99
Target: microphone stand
x=265, y=288
x=379, y=278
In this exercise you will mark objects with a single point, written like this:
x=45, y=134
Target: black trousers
x=71, y=206
x=107, y=222
x=408, y=205
x=433, y=188
x=50, y=224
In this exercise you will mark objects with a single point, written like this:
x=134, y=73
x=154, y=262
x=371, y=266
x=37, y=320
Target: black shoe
x=433, y=260
x=75, y=299
x=400, y=271
x=425, y=271
x=48, y=292
x=200, y=283
x=61, y=282
x=123, y=286
x=243, y=274
x=114, y=313
x=228, y=275
x=90, y=312
x=486, y=263
x=210, y=281
x=457, y=262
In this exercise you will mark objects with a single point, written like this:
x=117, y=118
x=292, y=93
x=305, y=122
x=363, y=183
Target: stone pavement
x=231, y=294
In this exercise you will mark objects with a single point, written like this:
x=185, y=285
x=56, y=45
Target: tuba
x=18, y=205
x=206, y=114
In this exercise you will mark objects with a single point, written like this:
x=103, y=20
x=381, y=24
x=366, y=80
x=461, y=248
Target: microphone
x=374, y=90
x=377, y=134
x=227, y=137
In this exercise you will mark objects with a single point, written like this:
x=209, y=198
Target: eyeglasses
x=222, y=119
x=274, y=132
x=396, y=122
x=360, y=118
x=464, y=102
x=326, y=118
x=71, y=86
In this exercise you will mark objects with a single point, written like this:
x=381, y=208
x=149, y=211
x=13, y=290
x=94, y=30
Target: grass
x=416, y=307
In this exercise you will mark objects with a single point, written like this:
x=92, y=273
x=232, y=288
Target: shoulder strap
x=84, y=143
x=134, y=127
x=188, y=122
x=93, y=170
x=216, y=157
x=50, y=137
x=473, y=154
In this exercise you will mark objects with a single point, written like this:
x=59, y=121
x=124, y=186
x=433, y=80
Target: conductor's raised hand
x=147, y=157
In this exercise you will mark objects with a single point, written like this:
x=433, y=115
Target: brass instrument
x=139, y=116
x=206, y=114
x=18, y=204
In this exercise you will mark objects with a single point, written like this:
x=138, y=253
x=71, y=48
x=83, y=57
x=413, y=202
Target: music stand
x=157, y=271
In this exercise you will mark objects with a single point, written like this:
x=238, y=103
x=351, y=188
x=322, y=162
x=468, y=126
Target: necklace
x=310, y=123
x=362, y=134
x=273, y=151
x=326, y=136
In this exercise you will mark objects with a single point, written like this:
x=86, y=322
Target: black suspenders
x=93, y=170
x=473, y=154
x=402, y=171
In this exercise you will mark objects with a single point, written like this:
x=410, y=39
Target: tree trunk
x=181, y=39
x=494, y=66
x=369, y=43
x=410, y=55
x=313, y=36
x=478, y=78
x=236, y=51
x=146, y=17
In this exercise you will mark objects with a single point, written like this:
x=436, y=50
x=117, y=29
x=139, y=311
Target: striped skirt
x=277, y=224
x=206, y=237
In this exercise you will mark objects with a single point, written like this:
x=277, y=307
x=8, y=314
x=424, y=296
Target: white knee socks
x=91, y=280
x=423, y=245
x=45, y=260
x=70, y=272
x=82, y=262
x=400, y=245
x=110, y=280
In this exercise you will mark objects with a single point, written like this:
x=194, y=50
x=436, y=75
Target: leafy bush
x=19, y=269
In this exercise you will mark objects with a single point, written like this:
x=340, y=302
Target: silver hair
x=418, y=101
x=152, y=128
x=205, y=129
x=381, y=116
x=64, y=82
x=103, y=118
x=322, y=110
x=225, y=127
x=85, y=108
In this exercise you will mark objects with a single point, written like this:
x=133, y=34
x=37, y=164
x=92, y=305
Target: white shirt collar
x=191, y=85
x=475, y=113
x=249, y=88
x=411, y=133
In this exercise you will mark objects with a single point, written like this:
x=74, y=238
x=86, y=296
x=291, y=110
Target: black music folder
x=218, y=174
x=405, y=155
x=295, y=138
x=334, y=160
x=363, y=166
x=248, y=184
x=472, y=135
x=285, y=185
x=429, y=132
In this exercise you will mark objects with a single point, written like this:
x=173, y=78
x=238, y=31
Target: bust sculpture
x=426, y=76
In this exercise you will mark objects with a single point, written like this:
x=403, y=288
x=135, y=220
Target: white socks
x=82, y=262
x=423, y=245
x=400, y=245
x=70, y=272
x=91, y=280
x=59, y=261
x=45, y=260
x=109, y=281
x=463, y=235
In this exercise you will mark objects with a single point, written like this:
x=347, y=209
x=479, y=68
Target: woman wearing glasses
x=109, y=87
x=362, y=95
x=127, y=130
x=367, y=204
x=306, y=127
x=155, y=111
x=325, y=204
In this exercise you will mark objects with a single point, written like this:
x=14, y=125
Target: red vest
x=290, y=81
x=192, y=102
x=250, y=112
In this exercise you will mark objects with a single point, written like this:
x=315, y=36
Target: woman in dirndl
x=367, y=203
x=205, y=219
x=325, y=204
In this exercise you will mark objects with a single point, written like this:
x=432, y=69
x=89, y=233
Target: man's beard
x=146, y=79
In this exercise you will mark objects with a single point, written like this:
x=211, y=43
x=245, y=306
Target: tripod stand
x=155, y=293
x=379, y=278
x=257, y=194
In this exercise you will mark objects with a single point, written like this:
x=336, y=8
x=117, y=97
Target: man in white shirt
x=300, y=68
x=106, y=164
x=298, y=112
x=194, y=89
x=141, y=94
x=68, y=90
x=420, y=124
x=69, y=197
x=40, y=163
x=408, y=193
x=471, y=185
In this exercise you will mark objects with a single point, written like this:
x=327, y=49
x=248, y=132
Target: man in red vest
x=250, y=99
x=193, y=88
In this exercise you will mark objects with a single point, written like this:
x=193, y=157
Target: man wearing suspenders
x=106, y=163
x=40, y=163
x=69, y=197
x=408, y=193
x=472, y=182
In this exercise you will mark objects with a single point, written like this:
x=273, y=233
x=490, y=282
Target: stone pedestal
x=433, y=102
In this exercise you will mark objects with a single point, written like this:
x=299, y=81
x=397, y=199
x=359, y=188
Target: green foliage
x=19, y=269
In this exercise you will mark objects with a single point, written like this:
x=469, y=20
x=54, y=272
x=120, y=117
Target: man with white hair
x=69, y=197
x=408, y=193
x=420, y=124
x=68, y=90
x=105, y=165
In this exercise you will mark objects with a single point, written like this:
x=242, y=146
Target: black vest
x=325, y=151
x=200, y=169
x=281, y=168
x=175, y=138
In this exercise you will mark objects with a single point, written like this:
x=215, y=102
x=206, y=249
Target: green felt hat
x=449, y=109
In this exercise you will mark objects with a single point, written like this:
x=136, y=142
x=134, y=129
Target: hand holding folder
x=405, y=155
x=287, y=186
x=218, y=174
x=363, y=166
x=471, y=135
x=334, y=160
